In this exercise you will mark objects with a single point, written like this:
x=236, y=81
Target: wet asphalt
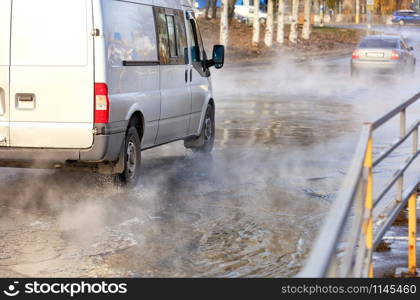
x=285, y=134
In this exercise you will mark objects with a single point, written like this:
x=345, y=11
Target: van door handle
x=190, y=75
x=25, y=101
x=25, y=97
x=186, y=75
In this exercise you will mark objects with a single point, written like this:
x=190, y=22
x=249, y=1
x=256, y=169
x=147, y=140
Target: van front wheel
x=132, y=159
x=208, y=132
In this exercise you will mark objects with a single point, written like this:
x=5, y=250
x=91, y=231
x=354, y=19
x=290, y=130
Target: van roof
x=164, y=3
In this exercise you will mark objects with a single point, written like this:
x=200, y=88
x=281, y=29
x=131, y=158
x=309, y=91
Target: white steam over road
x=285, y=135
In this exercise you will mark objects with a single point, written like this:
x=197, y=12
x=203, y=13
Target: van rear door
x=5, y=12
x=51, y=74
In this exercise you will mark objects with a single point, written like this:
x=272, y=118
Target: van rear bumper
x=105, y=148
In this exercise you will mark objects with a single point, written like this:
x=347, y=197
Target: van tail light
x=101, y=103
x=395, y=55
x=355, y=54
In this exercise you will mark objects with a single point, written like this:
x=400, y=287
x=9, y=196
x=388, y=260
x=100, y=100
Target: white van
x=90, y=83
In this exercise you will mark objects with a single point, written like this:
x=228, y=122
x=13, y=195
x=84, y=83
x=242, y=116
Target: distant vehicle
x=386, y=53
x=108, y=80
x=245, y=14
x=406, y=17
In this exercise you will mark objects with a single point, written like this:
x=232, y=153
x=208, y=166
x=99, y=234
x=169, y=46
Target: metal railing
x=346, y=251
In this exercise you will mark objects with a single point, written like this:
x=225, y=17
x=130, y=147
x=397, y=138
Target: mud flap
x=194, y=142
x=115, y=167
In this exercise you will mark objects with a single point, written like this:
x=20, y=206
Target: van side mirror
x=218, y=56
x=218, y=59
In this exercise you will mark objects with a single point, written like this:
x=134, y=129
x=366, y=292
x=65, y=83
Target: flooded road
x=285, y=135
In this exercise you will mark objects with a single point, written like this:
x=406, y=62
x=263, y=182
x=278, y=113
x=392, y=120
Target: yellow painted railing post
x=412, y=234
x=369, y=203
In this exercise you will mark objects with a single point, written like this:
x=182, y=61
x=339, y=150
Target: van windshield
x=379, y=43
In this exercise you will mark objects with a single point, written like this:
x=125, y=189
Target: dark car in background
x=383, y=53
x=406, y=17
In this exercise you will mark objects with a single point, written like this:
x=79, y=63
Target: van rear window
x=49, y=32
x=379, y=43
x=5, y=6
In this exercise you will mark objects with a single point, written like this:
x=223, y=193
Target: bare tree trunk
x=357, y=18
x=269, y=30
x=316, y=5
x=307, y=27
x=224, y=23
x=280, y=23
x=294, y=22
x=256, y=25
x=214, y=9
x=206, y=11
x=322, y=13
x=231, y=9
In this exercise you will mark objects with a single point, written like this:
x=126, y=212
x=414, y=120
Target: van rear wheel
x=132, y=159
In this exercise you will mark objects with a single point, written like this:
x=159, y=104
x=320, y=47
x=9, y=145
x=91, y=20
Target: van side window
x=196, y=46
x=173, y=49
x=129, y=40
x=181, y=37
x=171, y=36
x=197, y=52
x=163, y=37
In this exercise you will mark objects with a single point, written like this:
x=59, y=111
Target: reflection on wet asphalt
x=252, y=208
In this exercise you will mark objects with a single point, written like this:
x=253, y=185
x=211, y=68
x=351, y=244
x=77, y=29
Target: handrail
x=334, y=225
x=395, y=111
x=397, y=143
x=355, y=202
x=400, y=172
x=394, y=214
